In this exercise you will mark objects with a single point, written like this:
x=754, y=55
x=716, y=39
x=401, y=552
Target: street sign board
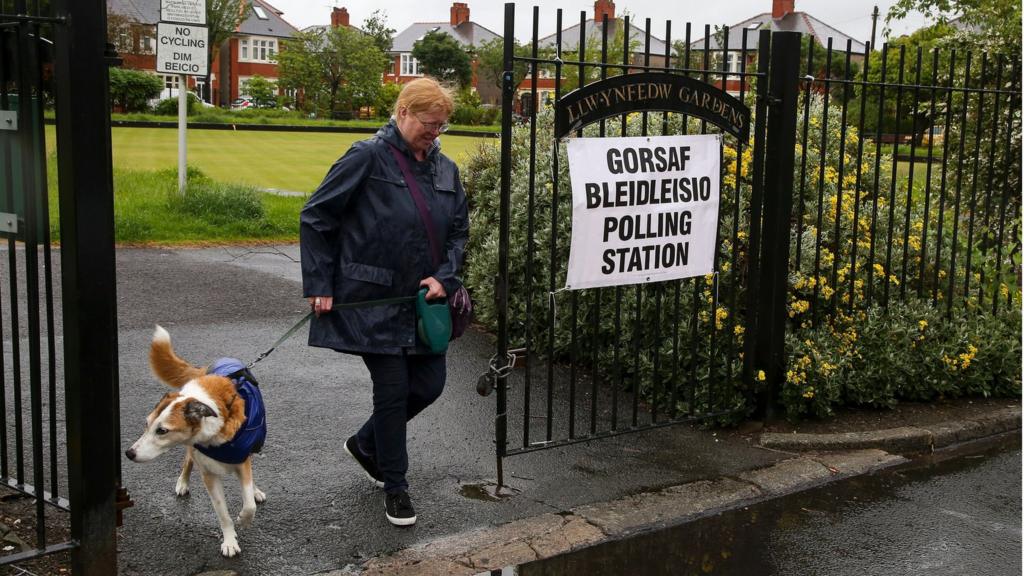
x=183, y=11
x=181, y=49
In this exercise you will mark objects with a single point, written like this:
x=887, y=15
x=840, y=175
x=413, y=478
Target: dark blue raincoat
x=362, y=238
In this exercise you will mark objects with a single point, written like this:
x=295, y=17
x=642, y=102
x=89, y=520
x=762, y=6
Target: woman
x=363, y=238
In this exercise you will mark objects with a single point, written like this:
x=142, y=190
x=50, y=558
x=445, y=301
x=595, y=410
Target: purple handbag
x=460, y=306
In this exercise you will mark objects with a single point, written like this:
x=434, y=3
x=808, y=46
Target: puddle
x=898, y=521
x=487, y=492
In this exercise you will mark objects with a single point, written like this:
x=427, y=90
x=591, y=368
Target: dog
x=207, y=414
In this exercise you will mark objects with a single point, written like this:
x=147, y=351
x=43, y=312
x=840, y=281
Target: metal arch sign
x=651, y=91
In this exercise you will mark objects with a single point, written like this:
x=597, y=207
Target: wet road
x=958, y=516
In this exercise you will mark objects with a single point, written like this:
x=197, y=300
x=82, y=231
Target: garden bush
x=169, y=106
x=841, y=309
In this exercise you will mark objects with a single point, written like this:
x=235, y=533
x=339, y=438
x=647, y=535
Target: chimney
x=460, y=13
x=339, y=17
x=602, y=7
x=782, y=7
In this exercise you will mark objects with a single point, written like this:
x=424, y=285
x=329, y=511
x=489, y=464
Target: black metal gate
x=791, y=251
x=58, y=443
x=607, y=361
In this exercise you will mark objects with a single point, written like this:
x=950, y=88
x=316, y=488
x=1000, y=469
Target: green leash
x=343, y=306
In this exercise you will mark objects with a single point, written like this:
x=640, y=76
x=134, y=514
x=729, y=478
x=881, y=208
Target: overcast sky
x=850, y=16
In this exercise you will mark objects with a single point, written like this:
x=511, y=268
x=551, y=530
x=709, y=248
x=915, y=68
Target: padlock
x=485, y=384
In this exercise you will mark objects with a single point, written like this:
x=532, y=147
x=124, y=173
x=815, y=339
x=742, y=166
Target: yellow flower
x=739, y=330
x=809, y=393
x=879, y=270
x=760, y=376
x=720, y=315
x=922, y=324
x=799, y=307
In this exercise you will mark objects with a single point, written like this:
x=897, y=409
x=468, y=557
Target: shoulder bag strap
x=421, y=203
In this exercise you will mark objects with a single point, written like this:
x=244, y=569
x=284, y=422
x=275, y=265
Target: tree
x=442, y=57
x=222, y=19
x=376, y=27
x=571, y=73
x=262, y=91
x=335, y=69
x=915, y=106
x=490, y=58
x=988, y=24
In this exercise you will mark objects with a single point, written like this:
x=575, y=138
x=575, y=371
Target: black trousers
x=403, y=385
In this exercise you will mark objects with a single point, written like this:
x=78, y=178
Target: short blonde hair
x=425, y=95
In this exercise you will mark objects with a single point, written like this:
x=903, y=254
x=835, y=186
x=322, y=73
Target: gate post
x=783, y=93
x=501, y=282
x=88, y=282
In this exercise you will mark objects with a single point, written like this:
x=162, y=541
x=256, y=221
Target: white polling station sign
x=181, y=49
x=644, y=209
x=183, y=11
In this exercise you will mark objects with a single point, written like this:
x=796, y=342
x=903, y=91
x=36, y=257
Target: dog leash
x=342, y=306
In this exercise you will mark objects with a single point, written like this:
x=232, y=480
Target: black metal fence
x=819, y=216
x=936, y=218
x=32, y=460
x=58, y=378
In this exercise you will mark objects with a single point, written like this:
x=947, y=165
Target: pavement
x=323, y=517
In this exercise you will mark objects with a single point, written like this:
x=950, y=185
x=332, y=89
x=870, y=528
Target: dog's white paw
x=260, y=496
x=181, y=487
x=229, y=548
x=245, y=517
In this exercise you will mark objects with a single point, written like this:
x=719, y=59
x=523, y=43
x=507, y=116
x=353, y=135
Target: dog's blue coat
x=253, y=432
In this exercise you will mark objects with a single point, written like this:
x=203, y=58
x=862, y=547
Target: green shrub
x=467, y=108
x=386, y=99
x=132, y=89
x=217, y=203
x=908, y=352
x=873, y=358
x=169, y=106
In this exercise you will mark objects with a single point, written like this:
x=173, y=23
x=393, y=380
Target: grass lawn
x=147, y=208
x=286, y=160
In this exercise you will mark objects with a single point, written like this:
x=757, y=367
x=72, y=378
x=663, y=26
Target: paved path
x=321, y=514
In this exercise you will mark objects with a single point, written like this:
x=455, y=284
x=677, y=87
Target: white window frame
x=260, y=49
x=733, y=61
x=408, y=66
x=172, y=81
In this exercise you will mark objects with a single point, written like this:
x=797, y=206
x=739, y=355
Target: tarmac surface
x=323, y=517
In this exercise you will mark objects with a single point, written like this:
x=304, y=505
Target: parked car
x=242, y=103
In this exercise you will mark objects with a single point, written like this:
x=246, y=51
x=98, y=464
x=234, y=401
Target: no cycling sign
x=181, y=46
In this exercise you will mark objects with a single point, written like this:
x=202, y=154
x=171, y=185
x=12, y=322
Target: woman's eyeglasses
x=437, y=127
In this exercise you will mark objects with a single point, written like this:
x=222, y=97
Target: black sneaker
x=367, y=463
x=398, y=508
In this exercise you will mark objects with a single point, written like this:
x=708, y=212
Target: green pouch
x=433, y=322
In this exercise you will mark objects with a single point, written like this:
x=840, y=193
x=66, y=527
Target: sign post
x=182, y=49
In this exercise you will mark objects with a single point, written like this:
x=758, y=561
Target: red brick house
x=592, y=31
x=249, y=52
x=468, y=33
x=783, y=18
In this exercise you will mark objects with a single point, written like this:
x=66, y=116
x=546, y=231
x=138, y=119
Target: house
x=592, y=32
x=248, y=52
x=469, y=34
x=339, y=17
x=783, y=18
